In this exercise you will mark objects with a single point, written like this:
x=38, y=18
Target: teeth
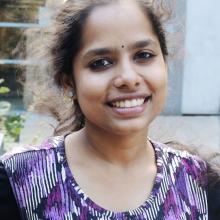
x=128, y=103
x=121, y=104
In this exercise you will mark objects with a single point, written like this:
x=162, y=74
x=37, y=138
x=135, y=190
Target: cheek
x=157, y=79
x=90, y=87
x=161, y=86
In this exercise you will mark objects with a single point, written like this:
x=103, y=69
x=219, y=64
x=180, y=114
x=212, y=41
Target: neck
x=123, y=150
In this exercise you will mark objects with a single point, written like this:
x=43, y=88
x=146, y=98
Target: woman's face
x=120, y=73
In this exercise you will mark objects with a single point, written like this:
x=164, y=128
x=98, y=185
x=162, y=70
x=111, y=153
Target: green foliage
x=13, y=125
x=4, y=106
x=10, y=125
x=4, y=90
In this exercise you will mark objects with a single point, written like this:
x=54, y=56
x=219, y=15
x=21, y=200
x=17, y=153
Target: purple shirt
x=45, y=188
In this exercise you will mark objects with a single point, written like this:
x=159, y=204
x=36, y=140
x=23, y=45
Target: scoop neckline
x=93, y=205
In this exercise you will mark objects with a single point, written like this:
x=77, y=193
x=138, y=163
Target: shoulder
x=25, y=163
x=32, y=167
x=184, y=155
x=47, y=144
x=26, y=158
x=183, y=161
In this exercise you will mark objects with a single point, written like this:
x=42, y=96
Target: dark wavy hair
x=66, y=43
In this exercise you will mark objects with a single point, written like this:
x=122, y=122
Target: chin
x=127, y=128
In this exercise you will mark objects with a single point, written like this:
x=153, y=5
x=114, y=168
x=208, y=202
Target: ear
x=68, y=83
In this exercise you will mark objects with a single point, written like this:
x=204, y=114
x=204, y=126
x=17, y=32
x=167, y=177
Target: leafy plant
x=13, y=125
x=10, y=125
x=4, y=106
x=4, y=90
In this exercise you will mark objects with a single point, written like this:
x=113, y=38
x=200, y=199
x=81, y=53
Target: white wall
x=201, y=81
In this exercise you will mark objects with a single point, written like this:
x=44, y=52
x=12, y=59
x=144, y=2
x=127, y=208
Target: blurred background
x=192, y=113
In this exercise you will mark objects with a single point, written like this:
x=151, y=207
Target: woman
x=111, y=55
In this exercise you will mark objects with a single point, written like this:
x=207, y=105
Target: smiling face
x=120, y=73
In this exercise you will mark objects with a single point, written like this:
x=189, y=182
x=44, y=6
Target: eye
x=143, y=56
x=100, y=64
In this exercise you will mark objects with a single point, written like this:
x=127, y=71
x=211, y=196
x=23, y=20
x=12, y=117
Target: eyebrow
x=98, y=52
x=143, y=43
x=106, y=50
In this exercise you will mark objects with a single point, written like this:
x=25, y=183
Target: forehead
x=119, y=23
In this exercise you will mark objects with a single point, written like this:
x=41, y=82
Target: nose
x=127, y=77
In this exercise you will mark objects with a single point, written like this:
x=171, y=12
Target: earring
x=69, y=96
x=72, y=95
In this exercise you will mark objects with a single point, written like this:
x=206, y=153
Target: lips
x=127, y=107
x=129, y=102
